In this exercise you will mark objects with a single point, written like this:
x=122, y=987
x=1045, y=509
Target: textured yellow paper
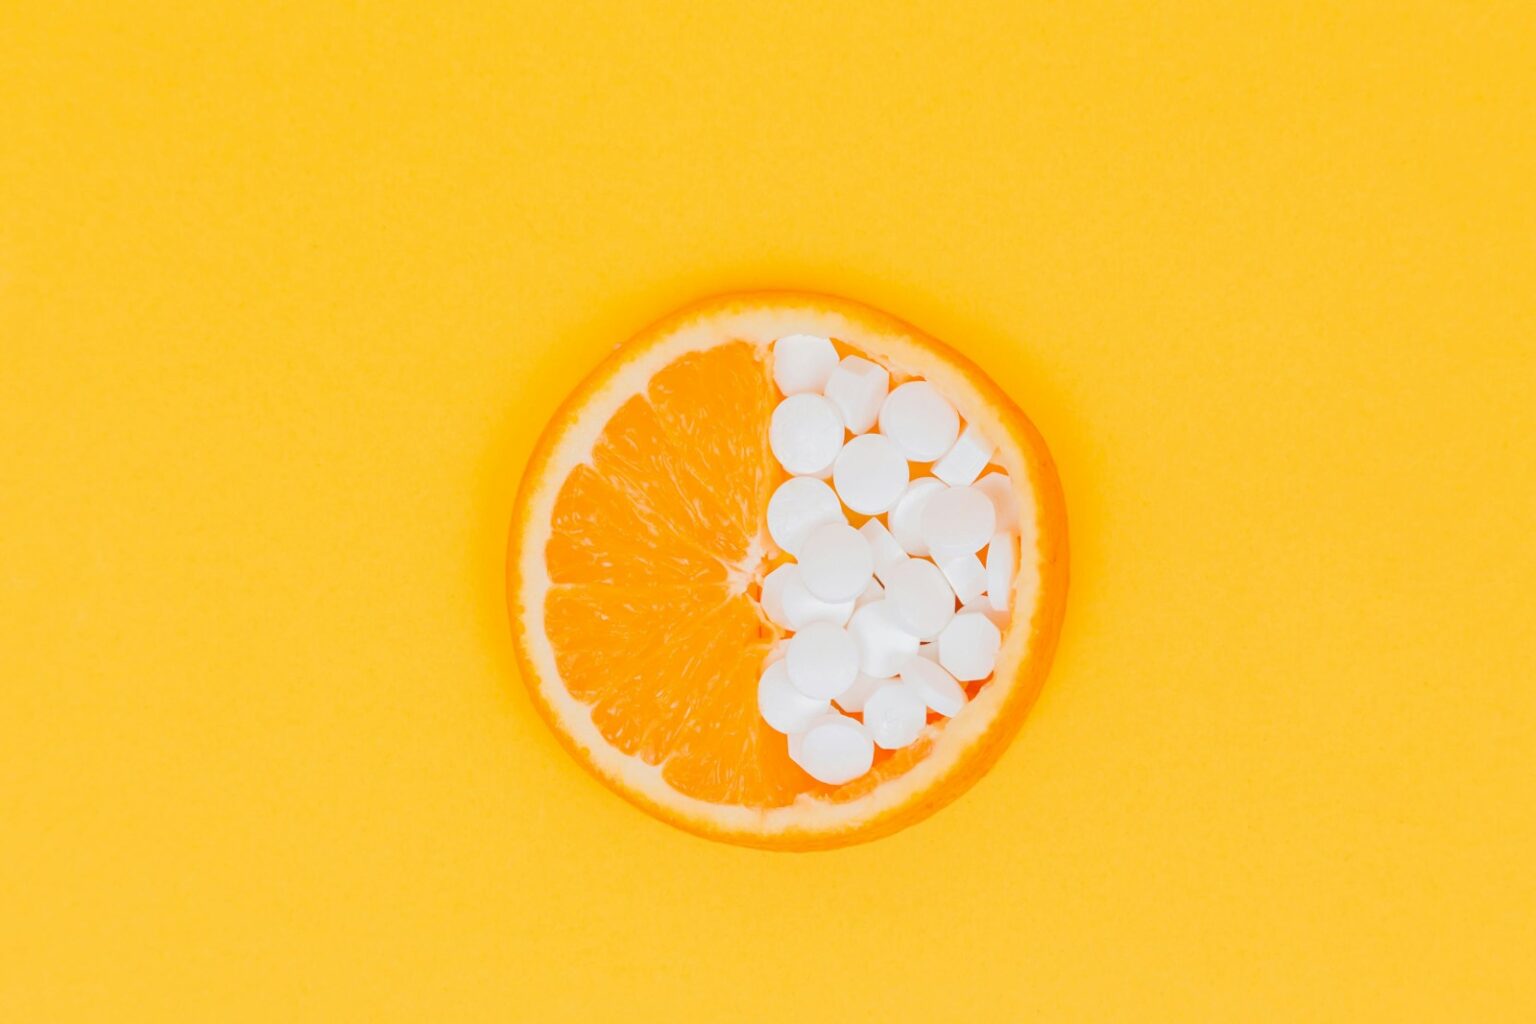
x=287, y=291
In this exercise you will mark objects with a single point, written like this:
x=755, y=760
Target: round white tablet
x=883, y=645
x=958, y=521
x=999, y=488
x=853, y=698
x=803, y=362
x=966, y=458
x=1002, y=562
x=966, y=575
x=857, y=387
x=980, y=606
x=822, y=660
x=873, y=592
x=919, y=598
x=805, y=433
x=968, y=646
x=772, y=598
x=835, y=751
x=920, y=420
x=801, y=607
x=887, y=553
x=795, y=737
x=870, y=474
x=894, y=715
x=937, y=687
x=907, y=514
x=799, y=505
x=835, y=562
x=782, y=706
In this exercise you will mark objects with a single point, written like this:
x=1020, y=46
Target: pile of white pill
x=886, y=622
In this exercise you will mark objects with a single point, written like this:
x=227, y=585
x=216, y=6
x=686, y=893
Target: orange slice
x=637, y=551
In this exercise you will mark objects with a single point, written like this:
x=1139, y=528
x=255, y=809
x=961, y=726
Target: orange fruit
x=638, y=546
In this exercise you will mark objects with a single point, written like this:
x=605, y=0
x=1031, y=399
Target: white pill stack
x=889, y=622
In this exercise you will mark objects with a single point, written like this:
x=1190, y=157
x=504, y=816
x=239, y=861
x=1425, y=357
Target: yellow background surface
x=287, y=291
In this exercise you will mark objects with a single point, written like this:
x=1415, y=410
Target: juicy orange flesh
x=649, y=611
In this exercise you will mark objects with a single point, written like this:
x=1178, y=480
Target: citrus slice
x=638, y=549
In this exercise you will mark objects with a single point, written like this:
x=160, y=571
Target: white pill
x=920, y=420
x=966, y=576
x=803, y=362
x=853, y=698
x=883, y=644
x=795, y=737
x=980, y=606
x=822, y=660
x=919, y=598
x=999, y=488
x=870, y=474
x=968, y=646
x=958, y=521
x=937, y=688
x=895, y=714
x=772, y=598
x=801, y=607
x=873, y=592
x=798, y=506
x=835, y=751
x=805, y=433
x=857, y=387
x=776, y=652
x=907, y=514
x=966, y=458
x=782, y=706
x=929, y=651
x=836, y=562
x=1002, y=562
x=883, y=547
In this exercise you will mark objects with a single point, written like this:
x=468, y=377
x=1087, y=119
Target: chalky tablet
x=938, y=688
x=883, y=645
x=803, y=362
x=797, y=506
x=968, y=646
x=1005, y=503
x=782, y=706
x=958, y=521
x=966, y=458
x=920, y=420
x=800, y=607
x=894, y=715
x=835, y=751
x=857, y=387
x=966, y=575
x=906, y=516
x=822, y=660
x=1002, y=563
x=883, y=547
x=870, y=474
x=836, y=563
x=852, y=699
x=919, y=598
x=805, y=433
